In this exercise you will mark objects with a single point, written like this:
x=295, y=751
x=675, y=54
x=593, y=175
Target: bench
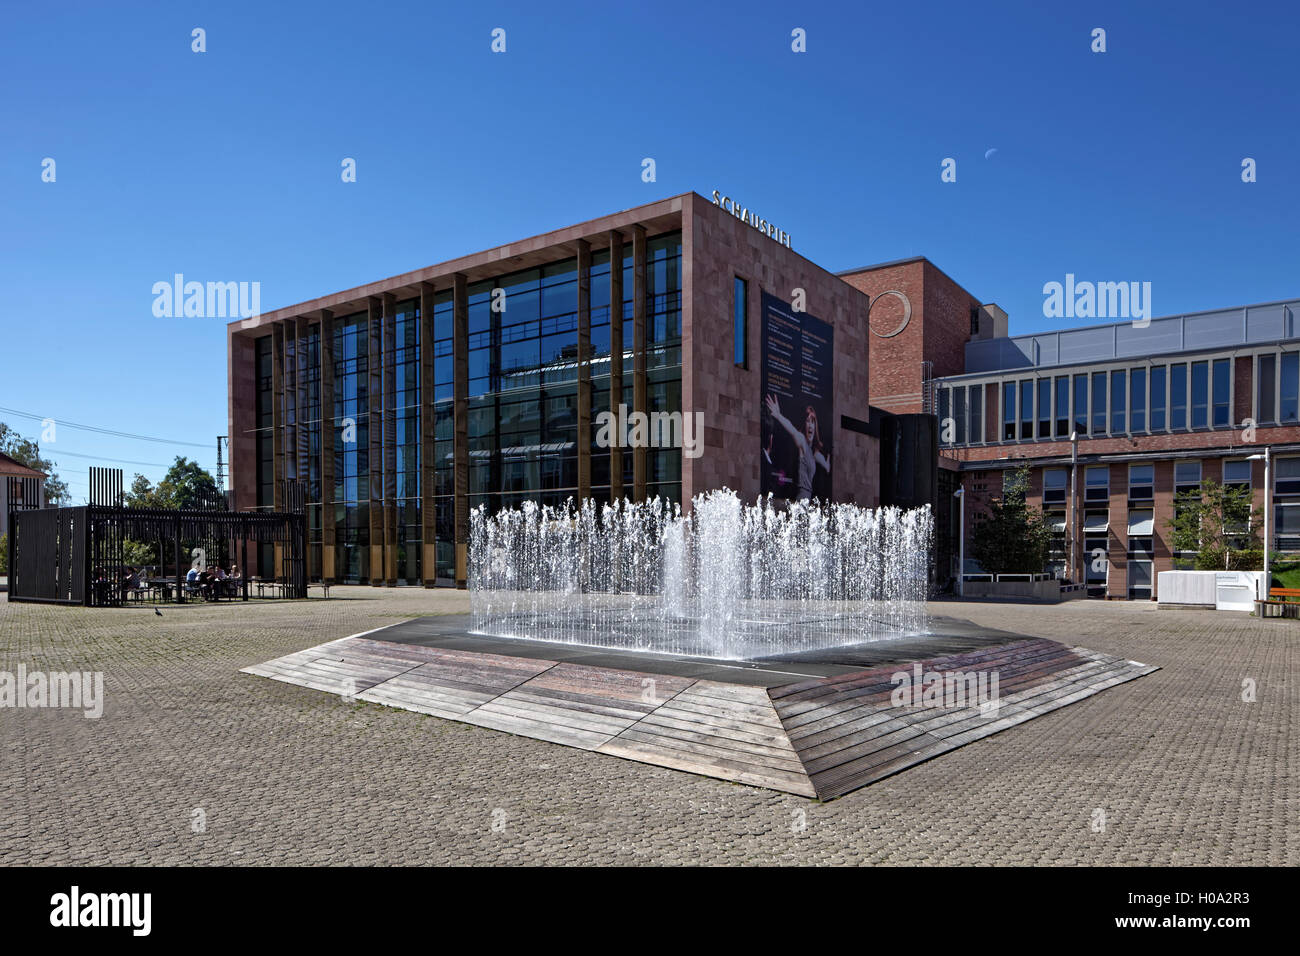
x=1282, y=602
x=322, y=585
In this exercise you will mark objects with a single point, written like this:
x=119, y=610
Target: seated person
x=131, y=580
x=219, y=579
x=206, y=581
x=192, y=580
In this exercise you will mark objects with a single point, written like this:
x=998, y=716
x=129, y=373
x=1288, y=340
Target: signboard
x=797, y=377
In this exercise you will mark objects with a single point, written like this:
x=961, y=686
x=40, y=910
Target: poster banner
x=797, y=374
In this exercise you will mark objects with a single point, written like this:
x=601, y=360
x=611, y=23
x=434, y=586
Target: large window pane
x=1027, y=409
x=1158, y=398
x=1008, y=411
x=1200, y=394
x=1098, y=403
x=959, y=413
x=1178, y=396
x=1266, y=389
x=1290, y=386
x=976, y=413
x=1081, y=404
x=1118, y=420
x=1222, y=395
x=1044, y=408
x=1063, y=406
x=1137, y=413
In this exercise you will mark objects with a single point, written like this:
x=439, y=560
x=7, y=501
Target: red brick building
x=1114, y=420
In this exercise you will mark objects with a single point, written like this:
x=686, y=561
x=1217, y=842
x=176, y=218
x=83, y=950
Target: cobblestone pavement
x=1184, y=771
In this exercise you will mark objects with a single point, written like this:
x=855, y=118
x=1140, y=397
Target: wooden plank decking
x=819, y=737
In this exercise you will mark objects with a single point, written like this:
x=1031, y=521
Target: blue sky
x=225, y=165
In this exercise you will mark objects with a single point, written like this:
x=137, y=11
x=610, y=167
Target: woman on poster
x=809, y=443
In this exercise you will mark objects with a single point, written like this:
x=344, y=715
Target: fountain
x=729, y=580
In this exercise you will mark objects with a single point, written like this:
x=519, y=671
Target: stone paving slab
x=1196, y=764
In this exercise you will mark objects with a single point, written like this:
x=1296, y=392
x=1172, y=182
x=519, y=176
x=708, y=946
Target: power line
x=105, y=431
x=120, y=461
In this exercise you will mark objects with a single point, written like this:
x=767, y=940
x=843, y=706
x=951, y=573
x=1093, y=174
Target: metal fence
x=79, y=555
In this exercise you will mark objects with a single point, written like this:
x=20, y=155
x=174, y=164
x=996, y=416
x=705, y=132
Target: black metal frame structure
x=76, y=555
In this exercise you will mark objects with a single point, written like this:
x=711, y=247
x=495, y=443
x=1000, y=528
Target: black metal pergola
x=76, y=555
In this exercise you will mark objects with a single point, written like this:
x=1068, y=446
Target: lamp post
x=1268, y=485
x=1074, y=470
x=960, y=495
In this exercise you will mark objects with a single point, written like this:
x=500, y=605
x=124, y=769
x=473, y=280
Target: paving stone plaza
x=193, y=762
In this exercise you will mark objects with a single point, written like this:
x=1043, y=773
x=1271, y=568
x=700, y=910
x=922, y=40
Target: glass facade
x=522, y=409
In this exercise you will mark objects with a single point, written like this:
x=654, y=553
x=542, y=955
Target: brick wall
x=716, y=248
x=937, y=331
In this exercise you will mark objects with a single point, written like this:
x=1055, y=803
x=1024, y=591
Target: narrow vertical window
x=1222, y=398
x=1266, y=396
x=1200, y=394
x=1081, y=404
x=1118, y=420
x=1008, y=411
x=1178, y=396
x=740, y=321
x=1026, y=409
x=1098, y=403
x=1063, y=406
x=1290, y=386
x=1158, y=374
x=1137, y=406
x=1044, y=408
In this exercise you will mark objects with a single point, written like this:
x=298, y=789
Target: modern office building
x=1154, y=408
x=492, y=379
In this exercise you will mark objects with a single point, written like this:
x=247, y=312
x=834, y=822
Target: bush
x=4, y=553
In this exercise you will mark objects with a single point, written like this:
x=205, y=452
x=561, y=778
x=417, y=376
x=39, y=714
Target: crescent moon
x=990, y=152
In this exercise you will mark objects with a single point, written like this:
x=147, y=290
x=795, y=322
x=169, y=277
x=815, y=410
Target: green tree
x=1218, y=523
x=1012, y=538
x=186, y=485
x=27, y=452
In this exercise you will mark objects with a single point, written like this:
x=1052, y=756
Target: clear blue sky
x=225, y=165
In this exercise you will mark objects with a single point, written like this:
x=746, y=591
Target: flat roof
x=662, y=215
x=1258, y=324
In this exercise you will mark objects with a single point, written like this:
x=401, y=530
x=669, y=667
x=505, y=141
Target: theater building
x=683, y=346
x=491, y=380
x=1154, y=409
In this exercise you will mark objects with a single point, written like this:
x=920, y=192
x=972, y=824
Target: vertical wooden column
x=302, y=430
x=390, y=439
x=328, y=430
x=278, y=424
x=460, y=359
x=639, y=381
x=428, y=526
x=615, y=357
x=584, y=370
x=375, y=456
x=279, y=427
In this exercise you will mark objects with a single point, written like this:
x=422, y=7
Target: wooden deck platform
x=821, y=736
